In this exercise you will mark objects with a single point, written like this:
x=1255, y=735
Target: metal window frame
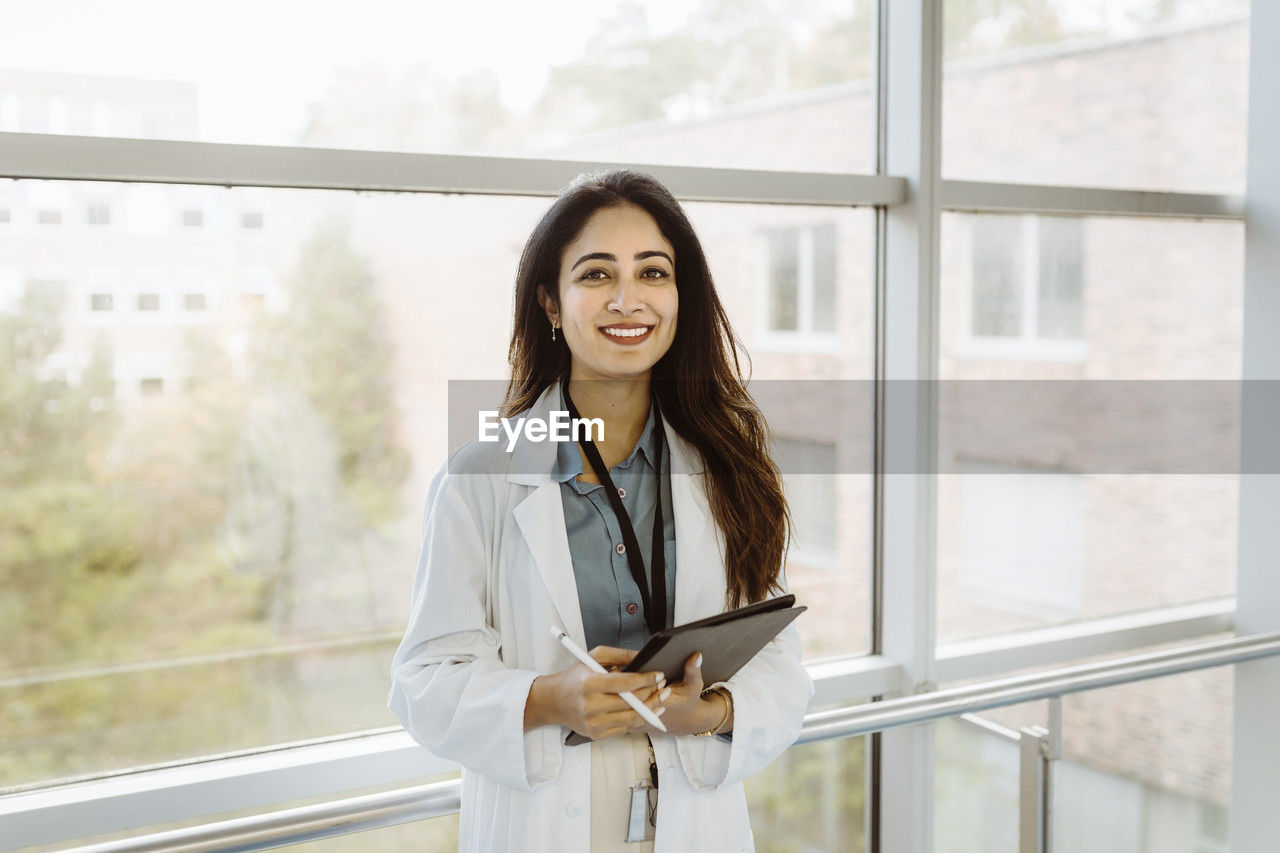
x=358, y=814
x=335, y=767
x=908, y=194
x=1255, y=747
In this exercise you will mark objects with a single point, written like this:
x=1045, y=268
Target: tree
x=414, y=111
x=319, y=467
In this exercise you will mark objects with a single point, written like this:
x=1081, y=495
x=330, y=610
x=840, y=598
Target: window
x=49, y=217
x=47, y=296
x=251, y=220
x=1026, y=279
x=194, y=302
x=1021, y=541
x=5, y=216
x=257, y=289
x=98, y=213
x=192, y=218
x=101, y=302
x=801, y=286
x=150, y=386
x=146, y=284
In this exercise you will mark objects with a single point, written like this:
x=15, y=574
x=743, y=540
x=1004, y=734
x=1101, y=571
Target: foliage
x=331, y=348
x=811, y=798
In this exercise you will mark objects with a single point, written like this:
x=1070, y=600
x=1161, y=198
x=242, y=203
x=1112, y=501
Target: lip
x=628, y=341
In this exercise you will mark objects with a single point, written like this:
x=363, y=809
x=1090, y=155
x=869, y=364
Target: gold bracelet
x=728, y=709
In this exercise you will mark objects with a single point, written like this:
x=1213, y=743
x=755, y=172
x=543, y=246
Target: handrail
x=934, y=705
x=373, y=811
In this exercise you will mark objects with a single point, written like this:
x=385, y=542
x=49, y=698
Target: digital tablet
x=727, y=641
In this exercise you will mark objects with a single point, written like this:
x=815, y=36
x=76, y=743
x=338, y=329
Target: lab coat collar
x=533, y=461
x=540, y=517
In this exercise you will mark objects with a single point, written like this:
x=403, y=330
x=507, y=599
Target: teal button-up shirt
x=612, y=609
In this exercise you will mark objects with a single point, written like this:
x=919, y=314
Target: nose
x=626, y=297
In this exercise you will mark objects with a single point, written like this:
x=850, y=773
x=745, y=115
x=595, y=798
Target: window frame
x=905, y=656
x=1028, y=344
x=803, y=338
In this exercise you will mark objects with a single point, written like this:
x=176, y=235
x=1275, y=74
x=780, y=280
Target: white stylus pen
x=628, y=697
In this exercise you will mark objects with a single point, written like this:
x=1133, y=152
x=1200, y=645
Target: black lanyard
x=653, y=595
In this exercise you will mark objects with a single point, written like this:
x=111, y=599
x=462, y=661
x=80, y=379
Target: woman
x=616, y=318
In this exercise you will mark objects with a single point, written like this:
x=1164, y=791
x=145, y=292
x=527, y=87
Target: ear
x=549, y=305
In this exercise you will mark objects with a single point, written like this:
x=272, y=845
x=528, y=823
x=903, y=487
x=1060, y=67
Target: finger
x=626, y=682
x=625, y=720
x=610, y=656
x=623, y=682
x=693, y=672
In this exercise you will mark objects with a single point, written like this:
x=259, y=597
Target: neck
x=623, y=405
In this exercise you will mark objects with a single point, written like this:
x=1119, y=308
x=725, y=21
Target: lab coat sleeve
x=770, y=695
x=451, y=690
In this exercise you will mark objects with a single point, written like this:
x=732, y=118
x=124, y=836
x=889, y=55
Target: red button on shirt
x=631, y=608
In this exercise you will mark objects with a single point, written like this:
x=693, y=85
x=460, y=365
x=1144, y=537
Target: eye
x=593, y=275
x=655, y=272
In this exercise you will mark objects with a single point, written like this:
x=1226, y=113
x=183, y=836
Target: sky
x=257, y=63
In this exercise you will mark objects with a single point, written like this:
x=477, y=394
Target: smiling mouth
x=626, y=334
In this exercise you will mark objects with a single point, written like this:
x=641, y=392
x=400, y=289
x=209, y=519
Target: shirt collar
x=568, y=464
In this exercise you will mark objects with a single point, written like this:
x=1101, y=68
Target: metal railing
x=374, y=811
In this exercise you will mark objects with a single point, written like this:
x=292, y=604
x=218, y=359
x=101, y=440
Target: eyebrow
x=605, y=256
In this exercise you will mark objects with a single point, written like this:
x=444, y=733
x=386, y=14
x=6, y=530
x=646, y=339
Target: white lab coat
x=493, y=576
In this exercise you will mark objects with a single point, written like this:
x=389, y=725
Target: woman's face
x=618, y=295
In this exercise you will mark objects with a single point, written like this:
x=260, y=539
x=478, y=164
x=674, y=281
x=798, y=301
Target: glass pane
x=812, y=797
x=997, y=276
x=975, y=779
x=976, y=765
x=713, y=83
x=1146, y=767
x=1082, y=510
x=1113, y=93
x=1060, y=300
x=784, y=280
x=221, y=439
x=824, y=278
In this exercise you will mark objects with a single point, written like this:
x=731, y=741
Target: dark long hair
x=698, y=382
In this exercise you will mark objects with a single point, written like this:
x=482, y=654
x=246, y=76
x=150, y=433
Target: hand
x=588, y=702
x=687, y=712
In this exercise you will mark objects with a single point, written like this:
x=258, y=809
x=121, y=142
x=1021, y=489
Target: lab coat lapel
x=541, y=520
x=540, y=517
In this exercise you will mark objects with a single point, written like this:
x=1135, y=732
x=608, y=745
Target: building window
x=1021, y=540
x=98, y=214
x=801, y=289
x=46, y=296
x=194, y=302
x=49, y=217
x=251, y=220
x=1027, y=277
x=807, y=478
x=151, y=385
x=148, y=302
x=101, y=302
x=5, y=216
x=193, y=218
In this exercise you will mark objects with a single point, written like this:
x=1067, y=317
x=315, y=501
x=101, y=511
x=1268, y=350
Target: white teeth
x=626, y=333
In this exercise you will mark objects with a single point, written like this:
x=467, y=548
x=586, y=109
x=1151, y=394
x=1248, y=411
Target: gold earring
x=553, y=330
